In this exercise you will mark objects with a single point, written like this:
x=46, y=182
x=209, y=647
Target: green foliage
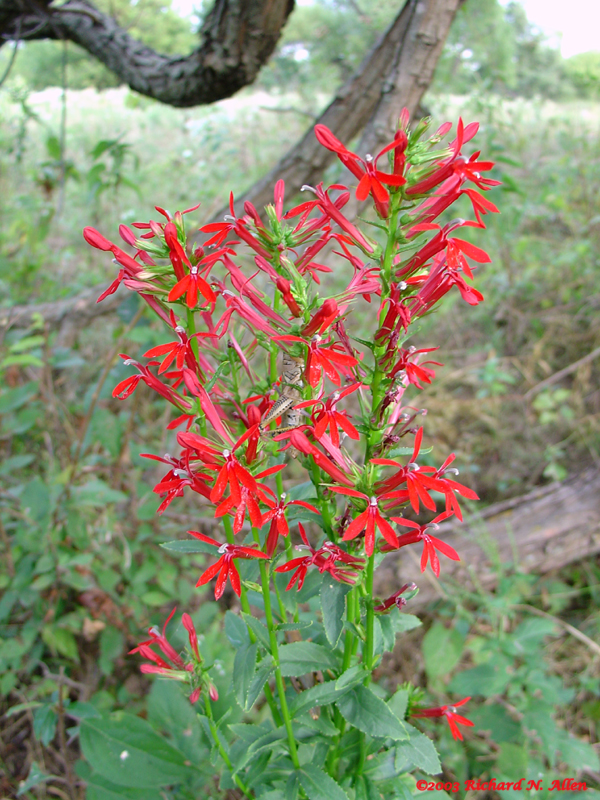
x=583, y=71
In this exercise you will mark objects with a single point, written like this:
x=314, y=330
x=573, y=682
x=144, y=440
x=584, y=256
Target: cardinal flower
x=225, y=566
x=329, y=558
x=325, y=415
x=450, y=487
x=430, y=543
x=276, y=516
x=449, y=712
x=418, y=484
x=370, y=520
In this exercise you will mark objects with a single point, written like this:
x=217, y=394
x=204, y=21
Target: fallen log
x=541, y=531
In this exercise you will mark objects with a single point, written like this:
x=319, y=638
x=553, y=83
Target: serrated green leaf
x=243, y=671
x=419, y=751
x=44, y=724
x=318, y=785
x=299, y=658
x=333, y=607
x=323, y=694
x=294, y=626
x=236, y=630
x=263, y=672
x=351, y=677
x=367, y=712
x=259, y=630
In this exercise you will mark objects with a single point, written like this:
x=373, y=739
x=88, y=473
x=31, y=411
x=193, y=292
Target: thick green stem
x=222, y=752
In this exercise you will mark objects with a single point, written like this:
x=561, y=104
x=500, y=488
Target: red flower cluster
x=260, y=365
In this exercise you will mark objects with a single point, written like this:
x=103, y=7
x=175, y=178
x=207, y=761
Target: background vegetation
x=82, y=572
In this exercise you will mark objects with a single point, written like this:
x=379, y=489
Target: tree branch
x=394, y=74
x=238, y=37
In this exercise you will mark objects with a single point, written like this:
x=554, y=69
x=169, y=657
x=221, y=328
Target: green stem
x=191, y=325
x=222, y=752
x=285, y=713
x=369, y=643
x=316, y=479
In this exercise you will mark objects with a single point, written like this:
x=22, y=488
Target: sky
x=573, y=25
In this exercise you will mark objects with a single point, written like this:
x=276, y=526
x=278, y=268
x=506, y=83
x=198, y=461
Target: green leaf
x=419, y=751
x=299, y=658
x=511, y=761
x=323, y=694
x=243, y=671
x=333, y=608
x=82, y=710
x=11, y=399
x=111, y=648
x=10, y=465
x=366, y=789
x=235, y=630
x=35, y=777
x=263, y=672
x=188, y=546
x=97, y=493
x=294, y=626
x=61, y=641
x=44, y=724
x=35, y=499
x=259, y=630
x=318, y=785
x=351, y=677
x=367, y=712
x=302, y=491
x=126, y=750
x=170, y=710
x=98, y=788
x=485, y=679
x=442, y=649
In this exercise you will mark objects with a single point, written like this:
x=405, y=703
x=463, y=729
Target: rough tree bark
x=238, y=37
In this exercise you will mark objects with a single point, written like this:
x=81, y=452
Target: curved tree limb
x=238, y=37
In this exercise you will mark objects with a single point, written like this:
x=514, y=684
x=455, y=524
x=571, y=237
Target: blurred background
x=518, y=399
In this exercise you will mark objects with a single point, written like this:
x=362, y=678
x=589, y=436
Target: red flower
x=430, y=543
x=326, y=559
x=449, y=712
x=126, y=387
x=300, y=442
x=225, y=566
x=414, y=372
x=396, y=599
x=276, y=516
x=371, y=179
x=329, y=417
x=368, y=521
x=285, y=287
x=418, y=484
x=451, y=488
x=322, y=318
x=181, y=351
x=190, y=671
x=192, y=285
